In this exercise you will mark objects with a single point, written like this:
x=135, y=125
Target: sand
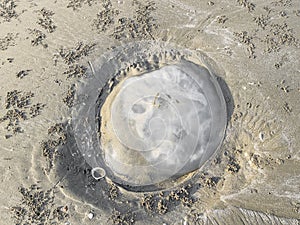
x=46, y=48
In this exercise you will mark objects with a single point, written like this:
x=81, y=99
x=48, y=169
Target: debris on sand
x=23, y=73
x=246, y=4
x=279, y=35
x=141, y=25
x=69, y=98
x=36, y=109
x=245, y=38
x=50, y=148
x=163, y=202
x=7, y=10
x=17, y=104
x=18, y=99
x=71, y=55
x=105, y=18
x=38, y=38
x=37, y=207
x=7, y=41
x=262, y=20
x=45, y=20
x=76, y=4
x=233, y=165
x=76, y=71
x=222, y=19
x=119, y=218
x=113, y=192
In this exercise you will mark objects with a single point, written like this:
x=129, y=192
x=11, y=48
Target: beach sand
x=46, y=48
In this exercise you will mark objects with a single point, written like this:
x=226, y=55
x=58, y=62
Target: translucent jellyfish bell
x=162, y=124
x=155, y=124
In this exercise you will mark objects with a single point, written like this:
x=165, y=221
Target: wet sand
x=46, y=48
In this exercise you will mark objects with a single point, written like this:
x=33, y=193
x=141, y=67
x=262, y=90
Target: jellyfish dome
x=156, y=124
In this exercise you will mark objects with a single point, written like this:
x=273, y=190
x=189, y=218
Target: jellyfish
x=157, y=120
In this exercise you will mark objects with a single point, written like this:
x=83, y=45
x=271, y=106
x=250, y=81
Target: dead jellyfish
x=157, y=120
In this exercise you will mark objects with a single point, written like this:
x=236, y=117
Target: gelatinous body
x=156, y=123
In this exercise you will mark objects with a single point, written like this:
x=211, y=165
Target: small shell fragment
x=98, y=173
x=91, y=215
x=261, y=136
